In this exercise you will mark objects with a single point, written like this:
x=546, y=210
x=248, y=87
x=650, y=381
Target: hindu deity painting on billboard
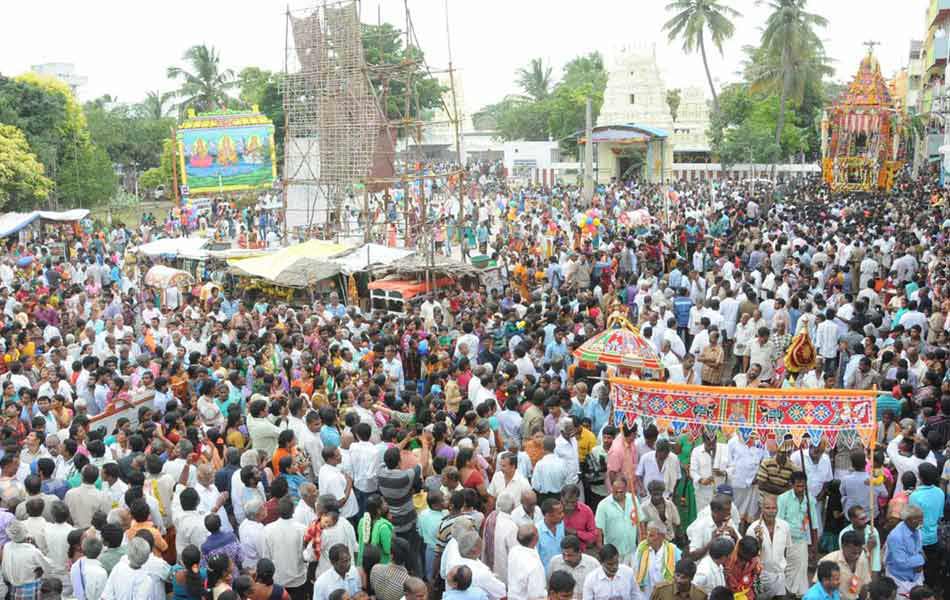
x=228, y=151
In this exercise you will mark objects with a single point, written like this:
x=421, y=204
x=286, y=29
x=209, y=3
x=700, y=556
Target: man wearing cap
x=774, y=474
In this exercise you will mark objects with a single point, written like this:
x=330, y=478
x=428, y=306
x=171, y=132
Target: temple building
x=636, y=133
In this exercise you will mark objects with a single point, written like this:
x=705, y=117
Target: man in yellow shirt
x=586, y=440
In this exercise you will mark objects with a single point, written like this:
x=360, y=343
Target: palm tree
x=206, y=86
x=693, y=20
x=155, y=106
x=789, y=39
x=535, y=80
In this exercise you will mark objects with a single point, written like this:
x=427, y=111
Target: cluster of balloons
x=589, y=222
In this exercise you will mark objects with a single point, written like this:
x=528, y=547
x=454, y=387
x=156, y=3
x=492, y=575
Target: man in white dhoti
x=797, y=508
x=707, y=467
x=773, y=535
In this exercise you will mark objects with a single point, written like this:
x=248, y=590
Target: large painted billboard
x=226, y=152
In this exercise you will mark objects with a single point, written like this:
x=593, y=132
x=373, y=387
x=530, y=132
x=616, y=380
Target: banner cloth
x=835, y=416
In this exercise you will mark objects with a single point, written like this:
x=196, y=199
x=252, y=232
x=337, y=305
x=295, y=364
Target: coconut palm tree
x=206, y=86
x=693, y=21
x=535, y=80
x=789, y=38
x=156, y=105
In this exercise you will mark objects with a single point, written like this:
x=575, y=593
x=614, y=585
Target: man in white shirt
x=469, y=546
x=87, y=574
x=773, y=536
x=709, y=572
x=575, y=563
x=707, y=468
x=251, y=532
x=526, y=578
x=742, y=467
x=335, y=482
x=283, y=544
x=658, y=465
x=710, y=525
x=365, y=461
x=507, y=481
x=189, y=522
x=505, y=538
x=470, y=341
x=528, y=511
x=611, y=579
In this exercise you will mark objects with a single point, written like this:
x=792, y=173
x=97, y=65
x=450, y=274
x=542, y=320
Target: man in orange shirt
x=140, y=520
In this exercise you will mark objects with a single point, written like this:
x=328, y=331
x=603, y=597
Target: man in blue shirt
x=681, y=307
x=551, y=532
x=904, y=558
x=930, y=499
x=826, y=588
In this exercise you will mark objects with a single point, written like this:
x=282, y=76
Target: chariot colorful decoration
x=835, y=417
x=861, y=137
x=621, y=346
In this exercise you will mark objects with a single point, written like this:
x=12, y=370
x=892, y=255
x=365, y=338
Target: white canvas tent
x=173, y=246
x=368, y=256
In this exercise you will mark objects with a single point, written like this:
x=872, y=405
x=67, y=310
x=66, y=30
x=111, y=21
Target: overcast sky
x=125, y=47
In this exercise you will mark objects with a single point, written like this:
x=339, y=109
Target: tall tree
x=205, y=87
x=55, y=126
x=22, y=182
x=157, y=105
x=694, y=20
x=535, y=80
x=790, y=36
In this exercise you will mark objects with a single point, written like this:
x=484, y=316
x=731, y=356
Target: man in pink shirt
x=622, y=456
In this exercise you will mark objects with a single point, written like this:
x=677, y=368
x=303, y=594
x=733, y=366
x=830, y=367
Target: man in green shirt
x=859, y=523
x=798, y=509
x=617, y=519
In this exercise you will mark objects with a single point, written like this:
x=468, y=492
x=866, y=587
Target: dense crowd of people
x=460, y=450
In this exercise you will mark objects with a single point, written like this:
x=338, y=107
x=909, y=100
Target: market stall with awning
x=296, y=266
x=14, y=222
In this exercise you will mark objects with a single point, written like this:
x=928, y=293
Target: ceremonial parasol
x=620, y=345
x=801, y=356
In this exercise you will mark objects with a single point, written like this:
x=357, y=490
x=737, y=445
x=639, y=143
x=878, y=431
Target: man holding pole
x=796, y=508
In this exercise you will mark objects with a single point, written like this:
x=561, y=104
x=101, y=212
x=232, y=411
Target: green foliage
x=252, y=83
x=87, y=177
x=560, y=113
x=162, y=174
x=264, y=88
x=792, y=52
x=156, y=105
x=206, y=86
x=673, y=99
x=383, y=45
x=22, y=182
x=130, y=140
x=743, y=128
x=152, y=178
x=535, y=80
x=57, y=130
